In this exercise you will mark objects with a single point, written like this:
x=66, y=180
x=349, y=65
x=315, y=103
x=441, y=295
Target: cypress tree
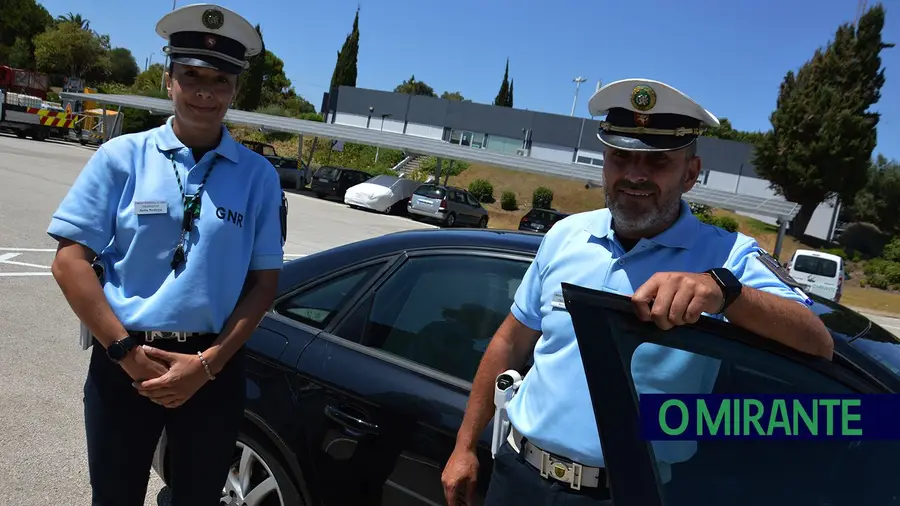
x=503, y=95
x=509, y=98
x=346, y=66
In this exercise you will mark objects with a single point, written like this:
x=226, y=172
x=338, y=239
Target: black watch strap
x=729, y=284
x=121, y=348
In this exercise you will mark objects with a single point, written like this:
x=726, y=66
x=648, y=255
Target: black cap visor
x=209, y=62
x=636, y=140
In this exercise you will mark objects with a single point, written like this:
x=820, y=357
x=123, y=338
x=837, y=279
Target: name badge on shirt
x=151, y=207
x=558, y=302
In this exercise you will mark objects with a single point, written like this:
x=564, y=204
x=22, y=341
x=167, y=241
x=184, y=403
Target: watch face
x=116, y=351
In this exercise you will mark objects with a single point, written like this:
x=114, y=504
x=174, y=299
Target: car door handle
x=350, y=421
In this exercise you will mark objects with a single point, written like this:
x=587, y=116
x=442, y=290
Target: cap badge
x=213, y=19
x=209, y=41
x=641, y=120
x=643, y=97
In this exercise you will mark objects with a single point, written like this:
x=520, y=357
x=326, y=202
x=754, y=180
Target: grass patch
x=569, y=196
x=871, y=298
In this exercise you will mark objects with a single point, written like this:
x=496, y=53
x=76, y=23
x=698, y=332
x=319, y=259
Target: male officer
x=646, y=243
x=186, y=224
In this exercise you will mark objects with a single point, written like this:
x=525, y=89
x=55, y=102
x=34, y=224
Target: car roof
x=819, y=254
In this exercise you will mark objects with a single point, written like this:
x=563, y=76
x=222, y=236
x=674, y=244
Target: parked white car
x=381, y=193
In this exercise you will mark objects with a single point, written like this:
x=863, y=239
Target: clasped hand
x=670, y=299
x=184, y=377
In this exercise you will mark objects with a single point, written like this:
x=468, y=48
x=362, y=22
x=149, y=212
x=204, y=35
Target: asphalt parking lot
x=41, y=432
x=42, y=446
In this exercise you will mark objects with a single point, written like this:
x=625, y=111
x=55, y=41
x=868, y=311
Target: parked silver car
x=448, y=205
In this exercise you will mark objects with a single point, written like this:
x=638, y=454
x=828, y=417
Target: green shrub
x=508, y=201
x=723, y=222
x=728, y=223
x=701, y=210
x=892, y=250
x=542, y=198
x=881, y=273
x=482, y=190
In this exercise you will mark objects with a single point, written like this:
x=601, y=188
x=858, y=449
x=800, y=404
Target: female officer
x=186, y=224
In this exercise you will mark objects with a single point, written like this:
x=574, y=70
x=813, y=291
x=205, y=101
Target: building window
x=703, y=178
x=586, y=160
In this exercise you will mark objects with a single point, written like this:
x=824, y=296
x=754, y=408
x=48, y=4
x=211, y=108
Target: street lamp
x=382, y=130
x=578, y=80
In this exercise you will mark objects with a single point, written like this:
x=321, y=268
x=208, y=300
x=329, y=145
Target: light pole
x=382, y=130
x=578, y=80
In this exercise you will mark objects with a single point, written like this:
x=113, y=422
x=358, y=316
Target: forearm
x=78, y=282
x=249, y=311
x=782, y=320
x=505, y=351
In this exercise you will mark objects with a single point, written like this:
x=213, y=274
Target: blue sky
x=729, y=55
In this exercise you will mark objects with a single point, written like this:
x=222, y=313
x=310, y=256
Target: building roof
x=771, y=207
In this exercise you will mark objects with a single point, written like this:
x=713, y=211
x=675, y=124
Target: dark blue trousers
x=516, y=482
x=123, y=429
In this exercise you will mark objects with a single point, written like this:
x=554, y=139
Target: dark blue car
x=360, y=374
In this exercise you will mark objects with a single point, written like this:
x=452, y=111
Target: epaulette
x=780, y=272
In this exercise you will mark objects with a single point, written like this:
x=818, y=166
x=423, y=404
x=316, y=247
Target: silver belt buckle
x=566, y=473
x=160, y=334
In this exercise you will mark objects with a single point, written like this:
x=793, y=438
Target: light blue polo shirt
x=239, y=228
x=553, y=406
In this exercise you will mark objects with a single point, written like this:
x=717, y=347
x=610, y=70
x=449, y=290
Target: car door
x=393, y=376
x=474, y=208
x=721, y=471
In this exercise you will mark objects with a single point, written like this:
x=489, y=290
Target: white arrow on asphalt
x=5, y=259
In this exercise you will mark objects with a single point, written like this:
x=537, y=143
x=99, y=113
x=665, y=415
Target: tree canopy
x=823, y=131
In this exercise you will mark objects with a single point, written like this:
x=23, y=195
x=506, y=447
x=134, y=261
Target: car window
x=318, y=305
x=471, y=200
x=441, y=311
x=731, y=471
x=430, y=191
x=815, y=265
x=329, y=173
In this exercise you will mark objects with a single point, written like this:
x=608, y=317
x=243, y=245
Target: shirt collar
x=680, y=235
x=167, y=141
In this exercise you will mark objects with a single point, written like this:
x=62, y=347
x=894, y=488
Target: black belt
x=152, y=335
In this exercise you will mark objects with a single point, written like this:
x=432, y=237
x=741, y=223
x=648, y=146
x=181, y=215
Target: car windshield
x=386, y=181
x=816, y=265
x=330, y=173
x=431, y=191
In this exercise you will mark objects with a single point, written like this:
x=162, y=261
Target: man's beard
x=635, y=220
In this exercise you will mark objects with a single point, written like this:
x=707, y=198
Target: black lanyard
x=191, y=209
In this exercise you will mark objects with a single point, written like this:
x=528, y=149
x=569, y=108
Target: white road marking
x=15, y=274
x=5, y=259
x=36, y=250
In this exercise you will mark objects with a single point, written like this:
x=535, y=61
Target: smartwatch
x=728, y=283
x=121, y=348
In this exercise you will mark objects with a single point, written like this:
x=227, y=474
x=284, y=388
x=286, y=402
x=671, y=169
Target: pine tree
x=503, y=95
x=823, y=132
x=346, y=65
x=509, y=98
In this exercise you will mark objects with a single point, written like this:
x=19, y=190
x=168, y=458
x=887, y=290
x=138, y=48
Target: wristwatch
x=730, y=285
x=121, y=348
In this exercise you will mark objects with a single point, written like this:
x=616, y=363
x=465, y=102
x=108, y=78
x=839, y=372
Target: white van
x=819, y=273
